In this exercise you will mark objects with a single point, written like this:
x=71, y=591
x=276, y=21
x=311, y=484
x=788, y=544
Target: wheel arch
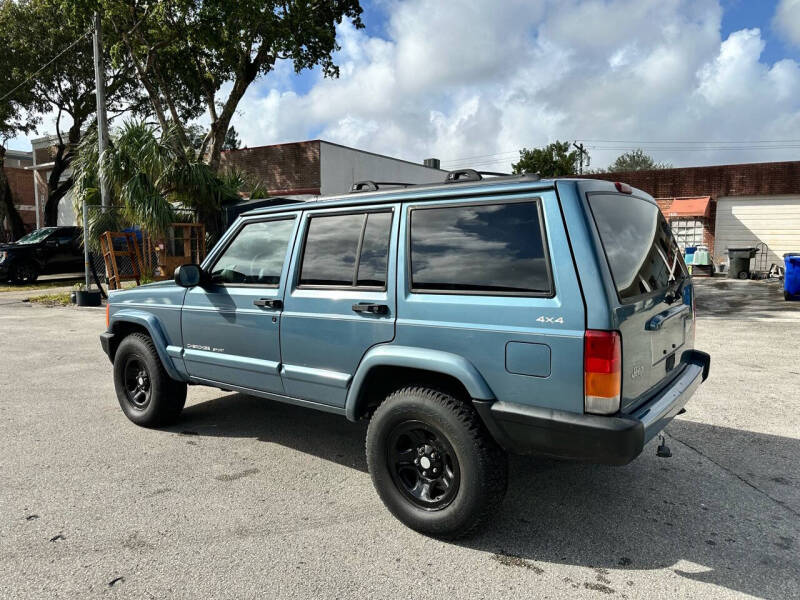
x=126, y=321
x=384, y=368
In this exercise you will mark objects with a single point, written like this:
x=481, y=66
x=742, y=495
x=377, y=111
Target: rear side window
x=480, y=248
x=638, y=243
x=347, y=250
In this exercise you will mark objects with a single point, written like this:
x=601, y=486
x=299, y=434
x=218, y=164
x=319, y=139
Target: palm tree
x=152, y=182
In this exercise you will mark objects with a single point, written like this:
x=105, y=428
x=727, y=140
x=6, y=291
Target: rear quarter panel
x=481, y=327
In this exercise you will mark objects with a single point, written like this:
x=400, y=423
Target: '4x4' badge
x=544, y=319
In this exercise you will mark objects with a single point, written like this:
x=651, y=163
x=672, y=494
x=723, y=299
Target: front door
x=341, y=301
x=231, y=326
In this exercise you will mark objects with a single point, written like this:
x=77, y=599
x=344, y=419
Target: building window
x=688, y=231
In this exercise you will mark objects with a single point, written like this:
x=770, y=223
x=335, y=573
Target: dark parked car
x=46, y=250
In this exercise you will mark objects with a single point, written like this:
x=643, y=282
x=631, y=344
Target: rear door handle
x=656, y=322
x=373, y=309
x=268, y=303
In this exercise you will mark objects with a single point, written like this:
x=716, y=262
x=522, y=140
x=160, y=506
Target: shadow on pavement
x=680, y=513
x=732, y=299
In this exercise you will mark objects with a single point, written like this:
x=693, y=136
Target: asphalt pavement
x=247, y=498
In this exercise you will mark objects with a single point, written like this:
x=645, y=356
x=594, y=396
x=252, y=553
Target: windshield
x=638, y=243
x=37, y=236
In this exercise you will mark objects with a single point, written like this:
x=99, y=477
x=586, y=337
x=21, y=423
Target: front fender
x=425, y=359
x=153, y=327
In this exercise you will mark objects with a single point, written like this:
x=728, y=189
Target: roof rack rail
x=462, y=175
x=373, y=186
x=471, y=175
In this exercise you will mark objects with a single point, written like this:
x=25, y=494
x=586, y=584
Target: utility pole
x=100, y=90
x=581, y=152
x=102, y=138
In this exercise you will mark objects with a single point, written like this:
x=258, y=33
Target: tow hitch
x=663, y=450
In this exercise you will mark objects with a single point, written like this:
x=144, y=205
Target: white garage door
x=746, y=221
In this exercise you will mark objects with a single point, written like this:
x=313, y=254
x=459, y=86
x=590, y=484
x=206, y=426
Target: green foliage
x=232, y=141
x=636, y=160
x=196, y=134
x=554, y=160
x=151, y=180
x=195, y=56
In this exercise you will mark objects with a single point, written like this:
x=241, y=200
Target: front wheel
x=433, y=463
x=25, y=273
x=146, y=393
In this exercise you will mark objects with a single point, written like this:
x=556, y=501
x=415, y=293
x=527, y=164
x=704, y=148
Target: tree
x=232, y=141
x=62, y=82
x=554, y=160
x=196, y=134
x=152, y=182
x=18, y=109
x=636, y=160
x=195, y=56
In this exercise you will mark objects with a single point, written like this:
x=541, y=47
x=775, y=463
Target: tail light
x=108, y=315
x=602, y=372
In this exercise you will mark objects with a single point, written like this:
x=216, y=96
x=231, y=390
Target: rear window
x=480, y=249
x=638, y=243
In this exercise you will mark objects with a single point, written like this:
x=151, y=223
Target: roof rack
x=373, y=186
x=470, y=175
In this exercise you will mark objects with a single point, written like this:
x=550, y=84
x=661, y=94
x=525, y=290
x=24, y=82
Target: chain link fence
x=136, y=255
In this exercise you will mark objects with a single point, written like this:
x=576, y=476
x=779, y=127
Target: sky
x=692, y=82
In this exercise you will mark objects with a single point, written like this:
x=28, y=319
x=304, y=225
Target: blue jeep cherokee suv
x=464, y=320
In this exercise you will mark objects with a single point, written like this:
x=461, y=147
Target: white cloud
x=483, y=79
x=787, y=20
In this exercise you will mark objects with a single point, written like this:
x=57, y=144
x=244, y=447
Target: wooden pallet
x=111, y=257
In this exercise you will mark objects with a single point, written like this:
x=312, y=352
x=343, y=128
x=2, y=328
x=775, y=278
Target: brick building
x=317, y=167
x=727, y=206
x=21, y=184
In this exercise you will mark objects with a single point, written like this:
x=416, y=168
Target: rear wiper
x=675, y=290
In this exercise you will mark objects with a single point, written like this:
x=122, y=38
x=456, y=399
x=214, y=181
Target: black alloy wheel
x=137, y=383
x=423, y=465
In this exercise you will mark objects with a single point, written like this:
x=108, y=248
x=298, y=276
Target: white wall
x=341, y=167
x=66, y=215
x=746, y=221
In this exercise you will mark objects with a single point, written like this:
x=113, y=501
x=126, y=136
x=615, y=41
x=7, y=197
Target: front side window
x=256, y=254
x=480, y=248
x=347, y=250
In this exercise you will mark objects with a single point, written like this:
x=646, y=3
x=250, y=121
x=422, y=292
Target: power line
x=50, y=62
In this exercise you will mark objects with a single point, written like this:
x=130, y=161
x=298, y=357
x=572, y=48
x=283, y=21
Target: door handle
x=656, y=322
x=268, y=303
x=373, y=309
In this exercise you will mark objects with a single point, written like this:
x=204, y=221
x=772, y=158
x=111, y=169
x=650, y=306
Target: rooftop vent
x=432, y=163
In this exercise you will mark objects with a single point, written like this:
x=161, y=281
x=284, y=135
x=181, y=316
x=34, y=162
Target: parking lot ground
x=246, y=498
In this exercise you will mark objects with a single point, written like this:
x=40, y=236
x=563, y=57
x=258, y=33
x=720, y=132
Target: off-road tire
x=482, y=465
x=164, y=397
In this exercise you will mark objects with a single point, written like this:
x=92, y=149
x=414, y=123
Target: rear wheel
x=24, y=273
x=433, y=463
x=146, y=393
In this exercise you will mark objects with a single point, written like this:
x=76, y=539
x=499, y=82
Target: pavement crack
x=780, y=503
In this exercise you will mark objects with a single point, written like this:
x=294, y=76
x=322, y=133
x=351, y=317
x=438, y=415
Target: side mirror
x=190, y=275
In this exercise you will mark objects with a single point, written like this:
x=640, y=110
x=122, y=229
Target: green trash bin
x=739, y=259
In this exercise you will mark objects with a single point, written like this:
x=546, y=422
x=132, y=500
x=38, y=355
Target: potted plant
x=84, y=297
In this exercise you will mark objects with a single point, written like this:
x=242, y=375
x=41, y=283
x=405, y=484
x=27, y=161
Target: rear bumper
x=607, y=440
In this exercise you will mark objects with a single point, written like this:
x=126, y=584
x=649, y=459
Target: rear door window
x=638, y=243
x=491, y=249
x=350, y=250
